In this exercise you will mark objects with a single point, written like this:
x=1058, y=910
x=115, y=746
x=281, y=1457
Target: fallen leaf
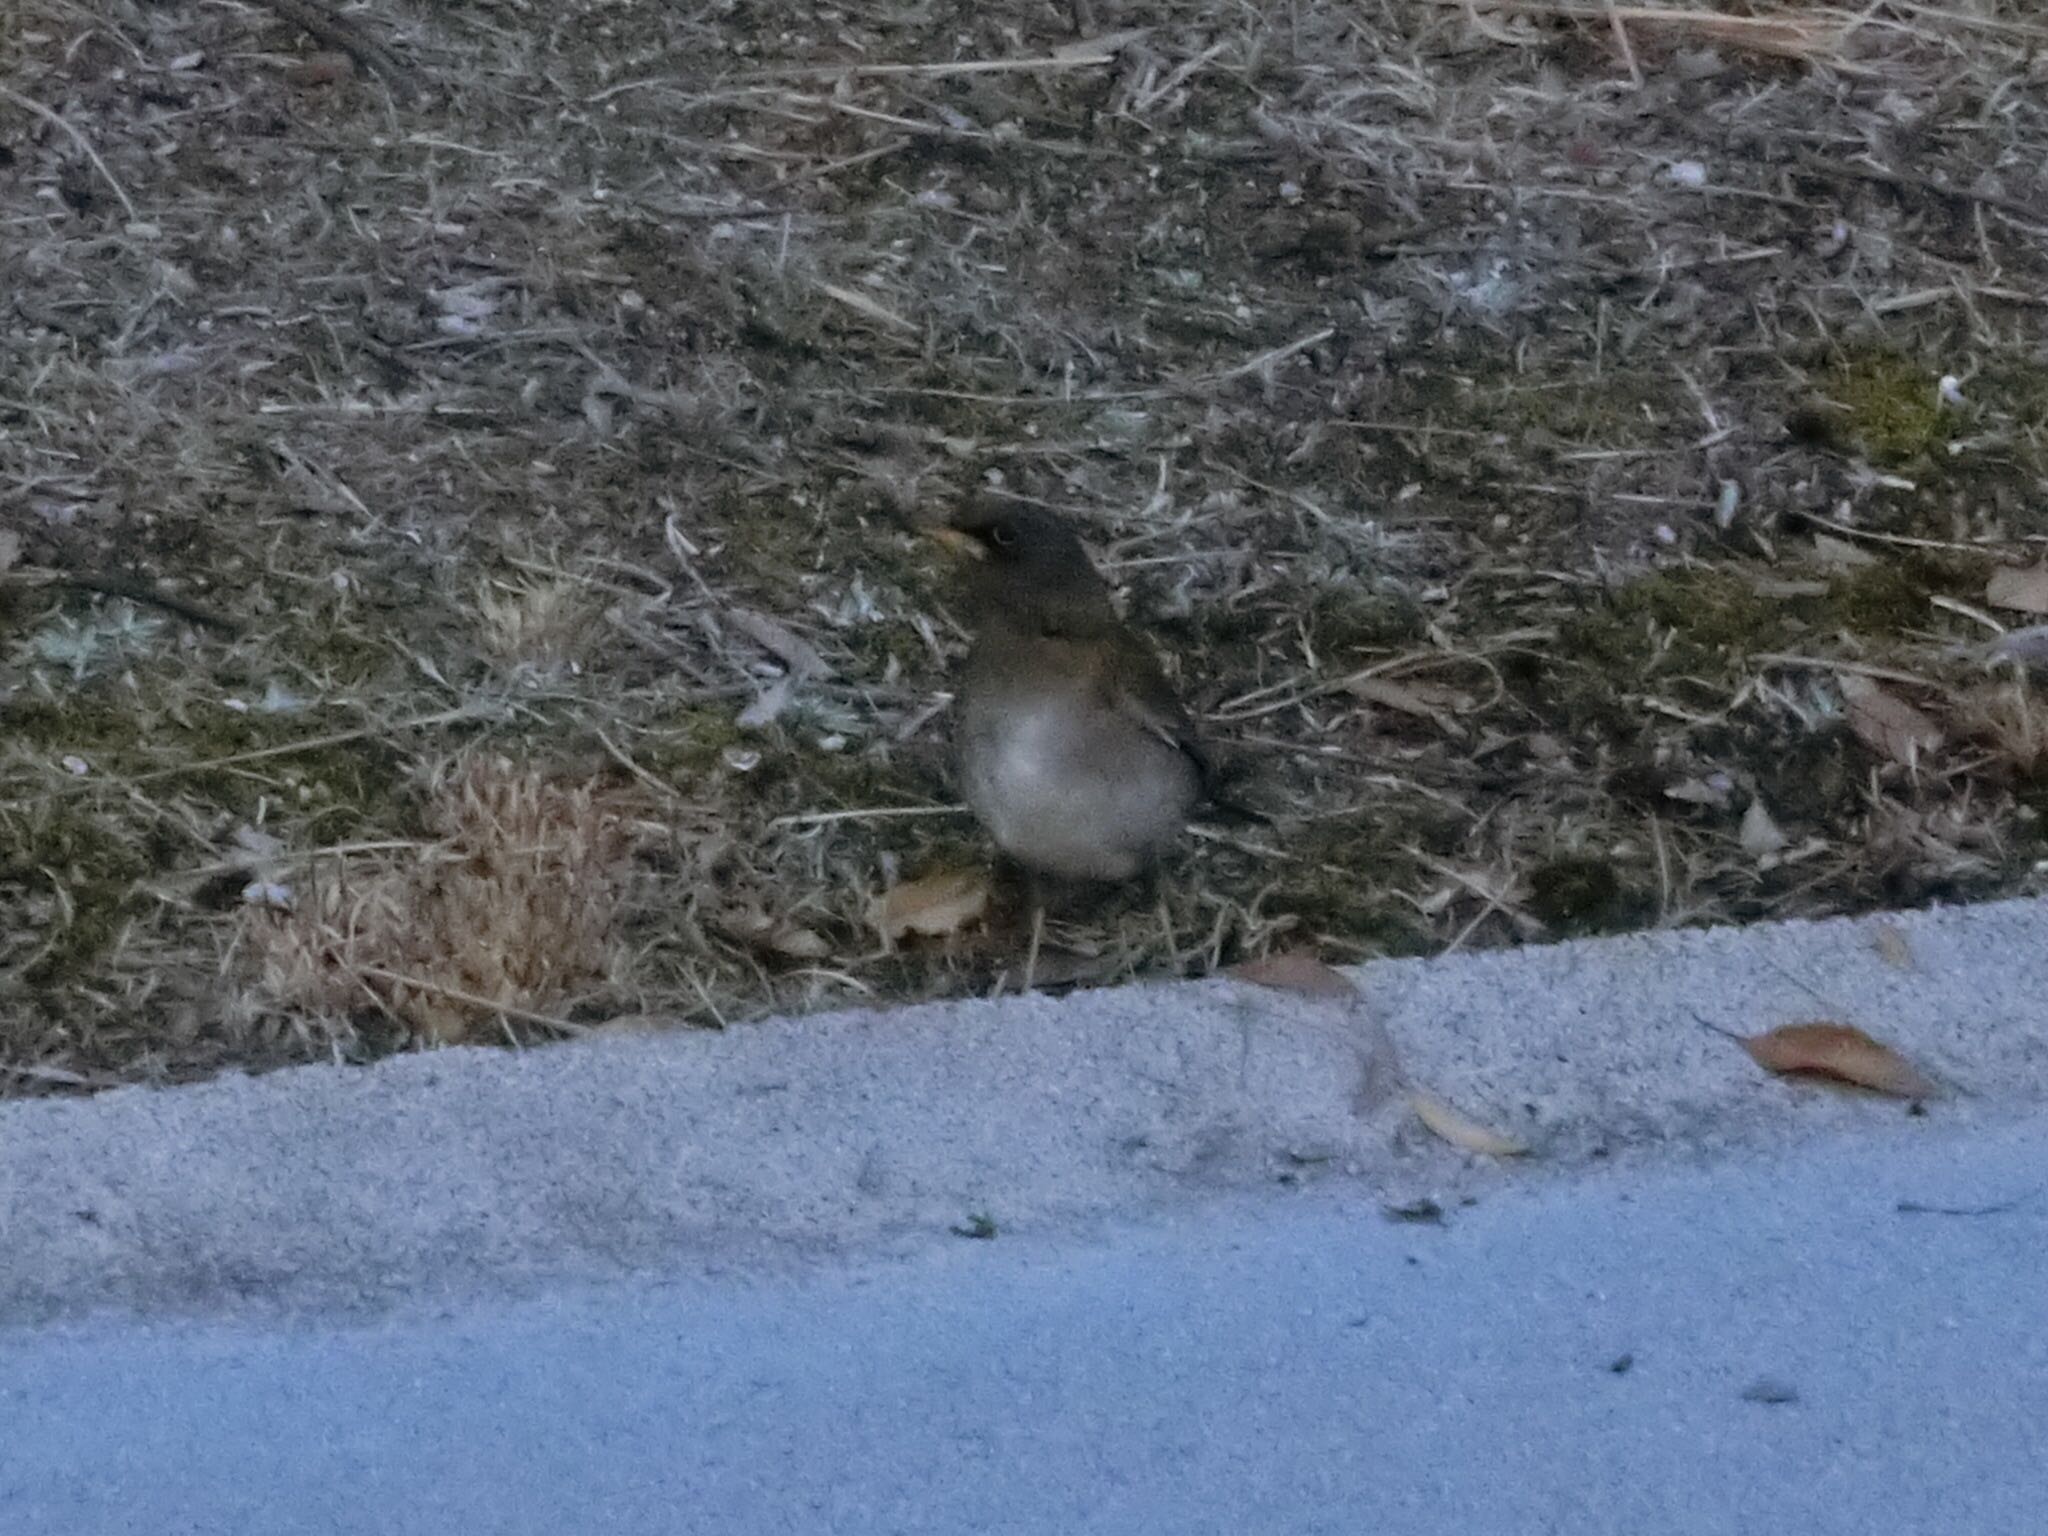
x=1886, y=723
x=780, y=641
x=934, y=907
x=2012, y=587
x=1839, y=554
x=1098, y=50
x=1892, y=948
x=1760, y=834
x=1295, y=971
x=1453, y=1127
x=794, y=942
x=769, y=704
x=1710, y=791
x=1842, y=1052
x=323, y=69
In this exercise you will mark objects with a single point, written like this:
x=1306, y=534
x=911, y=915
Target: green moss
x=686, y=744
x=871, y=647
x=1482, y=386
x=339, y=655
x=1694, y=622
x=1579, y=410
x=1887, y=408
x=1363, y=621
x=1578, y=895
x=348, y=786
x=1706, y=609
x=1891, y=596
x=1808, y=779
x=94, y=872
x=1340, y=884
x=834, y=781
x=1698, y=617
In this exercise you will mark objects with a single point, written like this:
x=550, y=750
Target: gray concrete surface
x=713, y=1282
x=1282, y=1365
x=449, y=1172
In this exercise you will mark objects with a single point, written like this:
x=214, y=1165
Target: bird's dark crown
x=1031, y=563
x=1023, y=536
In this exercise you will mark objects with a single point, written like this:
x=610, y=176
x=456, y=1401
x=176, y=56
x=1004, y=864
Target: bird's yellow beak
x=957, y=542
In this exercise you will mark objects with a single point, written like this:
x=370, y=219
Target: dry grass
x=512, y=908
x=1516, y=417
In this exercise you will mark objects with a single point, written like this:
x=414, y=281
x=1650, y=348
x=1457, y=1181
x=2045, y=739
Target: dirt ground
x=1587, y=465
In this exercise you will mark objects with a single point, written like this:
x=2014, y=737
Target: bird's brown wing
x=1132, y=683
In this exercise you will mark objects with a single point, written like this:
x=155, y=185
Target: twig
x=870, y=813
x=1782, y=37
x=1077, y=56
x=138, y=591
x=618, y=755
x=371, y=56
x=1903, y=181
x=1836, y=664
x=84, y=144
x=472, y=1000
x=261, y=754
x=1916, y=1208
x=1263, y=361
x=304, y=856
x=58, y=1075
x=1903, y=540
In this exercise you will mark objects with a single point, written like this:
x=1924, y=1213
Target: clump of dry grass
x=2008, y=719
x=512, y=908
x=538, y=623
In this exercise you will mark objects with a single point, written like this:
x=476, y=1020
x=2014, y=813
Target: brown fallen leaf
x=1453, y=1127
x=781, y=642
x=1886, y=723
x=1299, y=972
x=1295, y=971
x=329, y=67
x=775, y=935
x=1842, y=1052
x=934, y=907
x=2013, y=587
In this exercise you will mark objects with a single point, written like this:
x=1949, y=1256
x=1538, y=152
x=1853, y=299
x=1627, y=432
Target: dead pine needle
x=27, y=104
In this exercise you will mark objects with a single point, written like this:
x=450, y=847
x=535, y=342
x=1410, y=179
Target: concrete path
x=1763, y=1346
x=716, y=1283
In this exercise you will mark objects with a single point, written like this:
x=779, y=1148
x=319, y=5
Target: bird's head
x=1025, y=563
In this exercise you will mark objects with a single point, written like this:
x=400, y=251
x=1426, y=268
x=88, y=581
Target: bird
x=1073, y=750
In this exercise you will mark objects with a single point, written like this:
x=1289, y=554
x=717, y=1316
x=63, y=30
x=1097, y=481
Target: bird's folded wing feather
x=1132, y=683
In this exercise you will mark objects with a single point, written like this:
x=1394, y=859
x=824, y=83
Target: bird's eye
x=1002, y=536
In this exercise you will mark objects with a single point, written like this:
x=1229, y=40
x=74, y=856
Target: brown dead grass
x=510, y=910
x=1515, y=418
